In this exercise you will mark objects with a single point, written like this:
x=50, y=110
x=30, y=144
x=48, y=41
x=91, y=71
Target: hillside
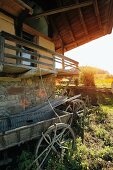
x=95, y=70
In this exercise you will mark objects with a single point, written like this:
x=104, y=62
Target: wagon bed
x=30, y=124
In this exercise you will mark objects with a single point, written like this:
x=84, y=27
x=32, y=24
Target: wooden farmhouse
x=34, y=34
x=26, y=54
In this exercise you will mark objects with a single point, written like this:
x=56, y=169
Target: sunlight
x=98, y=53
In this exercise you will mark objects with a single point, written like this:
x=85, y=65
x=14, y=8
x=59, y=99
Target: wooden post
x=63, y=64
x=2, y=42
x=53, y=62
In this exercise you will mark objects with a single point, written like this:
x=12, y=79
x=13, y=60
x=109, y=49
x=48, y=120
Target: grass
x=103, y=82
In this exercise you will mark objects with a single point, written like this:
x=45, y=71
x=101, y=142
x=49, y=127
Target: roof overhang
x=71, y=22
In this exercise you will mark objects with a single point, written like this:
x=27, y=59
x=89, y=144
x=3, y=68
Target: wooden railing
x=20, y=52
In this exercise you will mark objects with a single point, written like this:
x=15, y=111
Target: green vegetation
x=25, y=160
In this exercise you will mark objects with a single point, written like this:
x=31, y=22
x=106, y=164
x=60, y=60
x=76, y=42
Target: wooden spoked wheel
x=77, y=106
x=53, y=142
x=79, y=110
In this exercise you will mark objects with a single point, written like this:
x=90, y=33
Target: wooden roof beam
x=68, y=45
x=62, y=9
x=97, y=13
x=110, y=17
x=56, y=30
x=25, y=6
x=69, y=24
x=82, y=19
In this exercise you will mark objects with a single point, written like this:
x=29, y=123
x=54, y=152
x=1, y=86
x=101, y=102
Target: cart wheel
x=58, y=139
x=77, y=106
x=79, y=110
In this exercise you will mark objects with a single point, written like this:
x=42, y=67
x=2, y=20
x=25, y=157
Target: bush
x=87, y=78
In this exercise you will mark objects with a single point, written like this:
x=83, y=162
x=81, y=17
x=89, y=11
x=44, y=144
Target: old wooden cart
x=50, y=125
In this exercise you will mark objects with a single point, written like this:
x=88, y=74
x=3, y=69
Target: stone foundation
x=17, y=95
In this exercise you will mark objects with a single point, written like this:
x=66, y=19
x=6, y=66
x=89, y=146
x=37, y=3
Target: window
x=30, y=38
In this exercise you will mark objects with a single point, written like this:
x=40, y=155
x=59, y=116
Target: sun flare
x=97, y=53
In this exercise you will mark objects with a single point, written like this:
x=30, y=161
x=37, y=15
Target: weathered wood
x=109, y=17
x=31, y=123
x=3, y=141
x=66, y=65
x=25, y=134
x=68, y=45
x=1, y=67
x=69, y=24
x=34, y=32
x=10, y=79
x=2, y=41
x=14, y=68
x=27, y=59
x=82, y=19
x=26, y=43
x=25, y=6
x=88, y=15
x=18, y=136
x=74, y=97
x=70, y=65
x=28, y=52
x=97, y=13
x=21, y=67
x=36, y=72
x=60, y=60
x=57, y=31
x=62, y=9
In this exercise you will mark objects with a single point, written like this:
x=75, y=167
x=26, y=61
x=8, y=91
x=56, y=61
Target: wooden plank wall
x=49, y=45
x=7, y=24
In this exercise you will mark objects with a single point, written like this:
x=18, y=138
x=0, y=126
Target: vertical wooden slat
x=18, y=53
x=63, y=65
x=3, y=141
x=18, y=135
x=31, y=132
x=2, y=42
x=53, y=62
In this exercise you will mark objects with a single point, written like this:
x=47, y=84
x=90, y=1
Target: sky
x=97, y=53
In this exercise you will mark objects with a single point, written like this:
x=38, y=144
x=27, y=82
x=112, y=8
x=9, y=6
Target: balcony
x=22, y=58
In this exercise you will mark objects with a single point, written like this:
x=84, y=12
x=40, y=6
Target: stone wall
x=17, y=95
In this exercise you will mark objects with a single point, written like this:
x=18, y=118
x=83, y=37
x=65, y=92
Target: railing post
x=2, y=48
x=18, y=53
x=63, y=65
x=53, y=62
x=2, y=43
